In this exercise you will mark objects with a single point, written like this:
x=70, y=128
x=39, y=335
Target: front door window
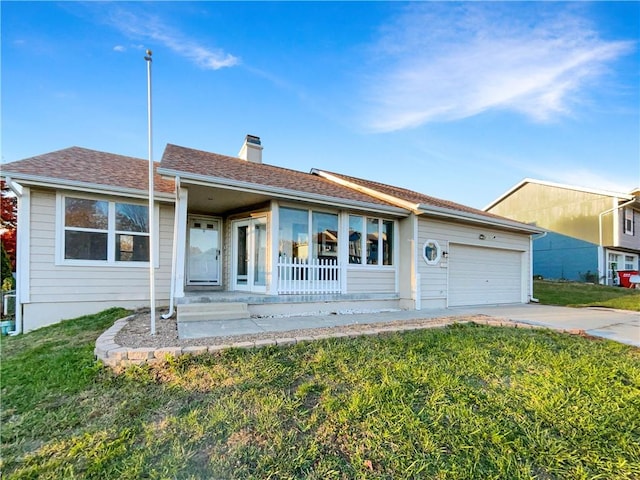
x=242, y=258
x=260, y=254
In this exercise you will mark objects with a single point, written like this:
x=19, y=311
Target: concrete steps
x=205, y=312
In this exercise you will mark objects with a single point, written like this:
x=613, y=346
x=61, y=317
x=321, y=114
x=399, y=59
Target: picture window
x=105, y=231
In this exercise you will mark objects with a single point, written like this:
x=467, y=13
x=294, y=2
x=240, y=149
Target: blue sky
x=456, y=100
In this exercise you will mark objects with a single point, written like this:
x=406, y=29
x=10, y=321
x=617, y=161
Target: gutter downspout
x=600, y=240
x=531, y=297
x=16, y=188
x=174, y=254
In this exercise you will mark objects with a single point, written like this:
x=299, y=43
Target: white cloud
x=443, y=62
x=151, y=28
x=591, y=179
x=579, y=175
x=119, y=48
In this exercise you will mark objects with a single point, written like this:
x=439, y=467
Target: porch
x=201, y=295
x=252, y=242
x=202, y=310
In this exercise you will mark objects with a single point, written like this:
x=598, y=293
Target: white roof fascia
x=429, y=209
x=412, y=207
x=606, y=193
x=240, y=185
x=15, y=187
x=481, y=219
x=57, y=183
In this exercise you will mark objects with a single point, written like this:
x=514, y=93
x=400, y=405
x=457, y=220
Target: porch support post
x=272, y=271
x=23, y=263
x=181, y=240
x=343, y=249
x=415, y=258
x=406, y=266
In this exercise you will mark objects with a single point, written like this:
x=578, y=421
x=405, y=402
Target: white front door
x=250, y=254
x=203, y=263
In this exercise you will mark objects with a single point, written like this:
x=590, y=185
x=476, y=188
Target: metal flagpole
x=152, y=279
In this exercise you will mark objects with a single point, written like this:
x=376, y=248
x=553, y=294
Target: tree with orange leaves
x=9, y=216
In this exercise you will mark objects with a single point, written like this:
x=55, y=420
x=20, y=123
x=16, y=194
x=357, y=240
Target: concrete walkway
x=621, y=326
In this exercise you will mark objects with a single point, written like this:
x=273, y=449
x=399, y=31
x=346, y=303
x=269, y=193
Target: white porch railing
x=312, y=275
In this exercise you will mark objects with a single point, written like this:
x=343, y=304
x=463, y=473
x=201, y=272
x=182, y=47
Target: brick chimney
x=251, y=149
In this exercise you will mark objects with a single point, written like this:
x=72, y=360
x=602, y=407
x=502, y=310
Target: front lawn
x=460, y=402
x=574, y=294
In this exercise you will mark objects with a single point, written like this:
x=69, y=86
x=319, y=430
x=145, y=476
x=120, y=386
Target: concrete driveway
x=619, y=325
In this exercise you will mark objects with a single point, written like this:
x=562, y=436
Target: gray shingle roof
x=87, y=166
x=414, y=197
x=221, y=167
x=91, y=167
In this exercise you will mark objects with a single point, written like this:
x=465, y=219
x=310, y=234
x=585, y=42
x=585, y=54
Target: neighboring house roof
x=607, y=193
x=87, y=169
x=232, y=171
x=425, y=204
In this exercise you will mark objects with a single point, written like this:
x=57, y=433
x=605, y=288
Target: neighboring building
x=592, y=234
x=237, y=230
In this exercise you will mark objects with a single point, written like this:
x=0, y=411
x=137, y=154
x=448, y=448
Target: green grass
x=575, y=294
x=461, y=402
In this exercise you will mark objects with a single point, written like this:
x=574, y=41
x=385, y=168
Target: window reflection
x=88, y=224
x=84, y=213
x=377, y=243
x=294, y=233
x=355, y=239
x=132, y=218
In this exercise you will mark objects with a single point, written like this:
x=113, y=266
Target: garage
x=481, y=275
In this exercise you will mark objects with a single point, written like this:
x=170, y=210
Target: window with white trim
x=370, y=240
x=104, y=231
x=630, y=262
x=305, y=234
x=628, y=221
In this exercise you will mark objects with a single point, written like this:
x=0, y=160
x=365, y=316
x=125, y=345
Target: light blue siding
x=557, y=256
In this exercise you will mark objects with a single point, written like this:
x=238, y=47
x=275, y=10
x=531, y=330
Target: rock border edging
x=116, y=356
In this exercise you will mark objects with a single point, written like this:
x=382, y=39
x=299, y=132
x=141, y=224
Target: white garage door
x=480, y=275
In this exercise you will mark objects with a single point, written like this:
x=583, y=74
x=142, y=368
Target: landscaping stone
x=339, y=335
x=322, y=336
x=141, y=354
x=217, y=348
x=117, y=356
x=304, y=339
x=198, y=350
x=267, y=342
x=367, y=333
x=162, y=353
